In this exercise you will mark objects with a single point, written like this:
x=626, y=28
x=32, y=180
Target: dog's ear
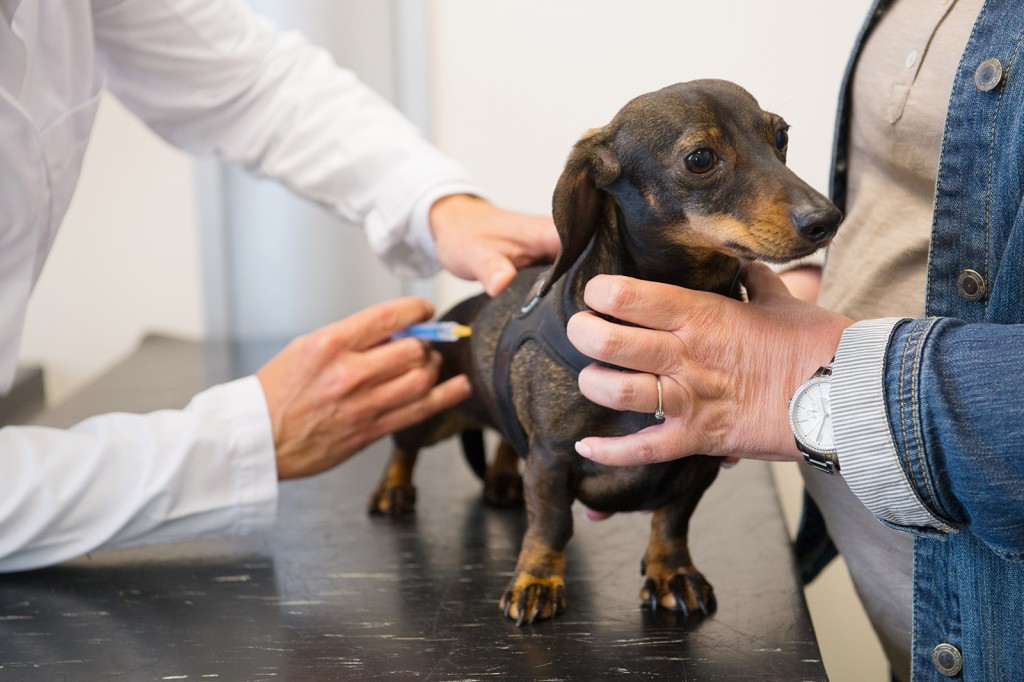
x=578, y=199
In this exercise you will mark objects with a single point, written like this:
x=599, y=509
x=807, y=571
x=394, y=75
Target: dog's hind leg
x=672, y=581
x=503, y=485
x=395, y=495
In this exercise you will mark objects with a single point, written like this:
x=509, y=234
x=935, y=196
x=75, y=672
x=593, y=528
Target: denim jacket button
x=988, y=75
x=947, y=659
x=971, y=286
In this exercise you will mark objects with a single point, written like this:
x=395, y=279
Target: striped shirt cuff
x=867, y=451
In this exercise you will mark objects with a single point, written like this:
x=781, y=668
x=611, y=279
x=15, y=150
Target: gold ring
x=659, y=414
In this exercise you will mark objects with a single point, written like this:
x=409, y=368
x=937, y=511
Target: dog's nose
x=816, y=224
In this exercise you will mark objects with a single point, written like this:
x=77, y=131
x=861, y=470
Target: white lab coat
x=210, y=77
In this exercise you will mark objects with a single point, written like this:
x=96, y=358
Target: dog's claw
x=522, y=608
x=649, y=595
x=682, y=592
x=706, y=605
x=559, y=601
x=676, y=588
x=528, y=602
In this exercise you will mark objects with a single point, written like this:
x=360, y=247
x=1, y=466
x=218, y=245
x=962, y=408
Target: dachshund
x=682, y=186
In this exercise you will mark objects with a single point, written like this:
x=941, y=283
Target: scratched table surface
x=331, y=593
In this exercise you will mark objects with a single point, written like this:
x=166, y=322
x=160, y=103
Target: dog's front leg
x=537, y=590
x=673, y=582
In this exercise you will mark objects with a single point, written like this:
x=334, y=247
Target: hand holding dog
x=728, y=369
x=476, y=240
x=334, y=391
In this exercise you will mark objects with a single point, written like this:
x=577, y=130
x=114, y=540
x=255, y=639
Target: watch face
x=811, y=416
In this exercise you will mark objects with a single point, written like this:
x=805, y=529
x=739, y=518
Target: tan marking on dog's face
x=704, y=167
x=651, y=199
x=768, y=237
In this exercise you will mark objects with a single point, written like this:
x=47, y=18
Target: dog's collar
x=540, y=319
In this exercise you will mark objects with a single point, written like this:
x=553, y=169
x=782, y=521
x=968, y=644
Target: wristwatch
x=810, y=419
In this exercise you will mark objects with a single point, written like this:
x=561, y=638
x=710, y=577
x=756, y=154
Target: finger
x=653, y=444
x=494, y=270
x=441, y=397
x=404, y=387
x=636, y=348
x=618, y=390
x=370, y=326
x=381, y=363
x=762, y=283
x=651, y=304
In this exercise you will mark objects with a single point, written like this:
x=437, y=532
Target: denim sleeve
x=953, y=437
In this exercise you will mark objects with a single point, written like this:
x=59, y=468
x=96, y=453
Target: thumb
x=495, y=272
x=762, y=283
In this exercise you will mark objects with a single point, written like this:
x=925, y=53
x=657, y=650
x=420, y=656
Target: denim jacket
x=929, y=413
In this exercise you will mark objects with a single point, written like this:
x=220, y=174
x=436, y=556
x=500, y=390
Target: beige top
x=877, y=265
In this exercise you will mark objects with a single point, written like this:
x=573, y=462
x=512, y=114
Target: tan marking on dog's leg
x=395, y=494
x=673, y=582
x=537, y=591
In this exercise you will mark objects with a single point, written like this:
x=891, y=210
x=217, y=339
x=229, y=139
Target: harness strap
x=538, y=320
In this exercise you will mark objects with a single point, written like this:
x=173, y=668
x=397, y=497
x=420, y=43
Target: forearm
x=949, y=453
x=214, y=77
x=124, y=479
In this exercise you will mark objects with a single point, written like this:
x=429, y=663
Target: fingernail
x=583, y=450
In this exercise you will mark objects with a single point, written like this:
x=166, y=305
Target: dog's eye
x=701, y=161
x=781, y=139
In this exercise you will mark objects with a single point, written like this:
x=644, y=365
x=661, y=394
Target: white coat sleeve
x=211, y=76
x=120, y=480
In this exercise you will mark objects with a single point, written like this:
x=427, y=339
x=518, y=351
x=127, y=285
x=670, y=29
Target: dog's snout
x=817, y=224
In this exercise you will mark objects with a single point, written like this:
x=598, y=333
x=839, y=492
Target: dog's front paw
x=678, y=589
x=530, y=598
x=392, y=500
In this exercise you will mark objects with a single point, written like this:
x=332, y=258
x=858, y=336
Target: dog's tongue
x=594, y=515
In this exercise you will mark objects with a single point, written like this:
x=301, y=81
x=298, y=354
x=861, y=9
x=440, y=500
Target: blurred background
x=156, y=240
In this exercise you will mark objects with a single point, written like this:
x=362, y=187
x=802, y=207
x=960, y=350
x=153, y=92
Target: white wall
x=515, y=82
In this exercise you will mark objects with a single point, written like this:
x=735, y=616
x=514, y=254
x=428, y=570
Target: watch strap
x=827, y=462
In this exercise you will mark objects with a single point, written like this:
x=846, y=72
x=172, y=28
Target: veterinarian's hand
x=728, y=369
x=334, y=391
x=478, y=241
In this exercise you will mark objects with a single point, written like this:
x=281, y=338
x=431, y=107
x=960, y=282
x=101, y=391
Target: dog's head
x=696, y=165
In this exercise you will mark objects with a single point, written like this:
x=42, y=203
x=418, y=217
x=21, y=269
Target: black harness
x=540, y=319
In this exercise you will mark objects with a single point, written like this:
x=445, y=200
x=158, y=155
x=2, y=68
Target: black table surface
x=331, y=593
